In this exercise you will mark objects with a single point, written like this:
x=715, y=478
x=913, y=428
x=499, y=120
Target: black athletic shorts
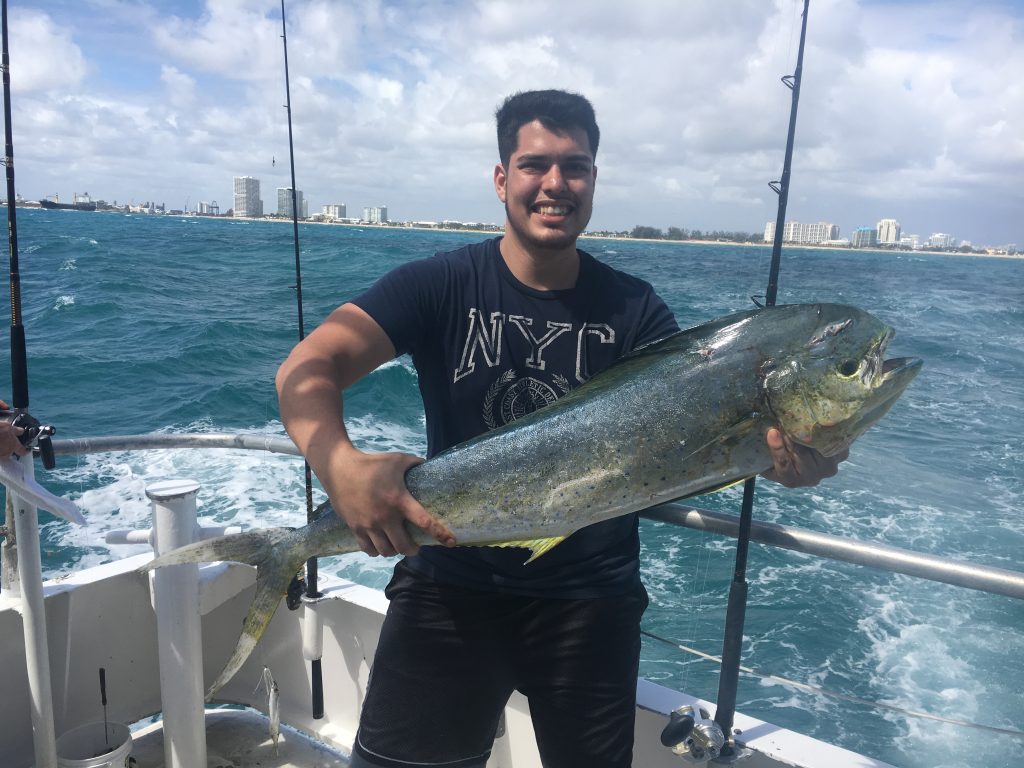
x=449, y=658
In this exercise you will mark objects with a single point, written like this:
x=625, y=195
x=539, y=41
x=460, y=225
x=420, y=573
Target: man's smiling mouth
x=552, y=210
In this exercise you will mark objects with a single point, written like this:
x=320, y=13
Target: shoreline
x=585, y=236
x=619, y=238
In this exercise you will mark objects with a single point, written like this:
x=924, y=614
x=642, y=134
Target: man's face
x=548, y=187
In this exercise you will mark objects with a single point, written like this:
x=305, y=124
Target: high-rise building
x=795, y=232
x=378, y=215
x=247, y=197
x=864, y=237
x=819, y=233
x=284, y=203
x=941, y=240
x=888, y=232
x=335, y=211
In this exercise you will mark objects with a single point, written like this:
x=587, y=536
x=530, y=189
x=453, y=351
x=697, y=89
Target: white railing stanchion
x=176, y=601
x=33, y=612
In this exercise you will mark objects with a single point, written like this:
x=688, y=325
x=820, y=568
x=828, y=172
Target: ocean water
x=137, y=324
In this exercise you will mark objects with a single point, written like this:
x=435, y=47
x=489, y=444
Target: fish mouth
x=895, y=373
x=879, y=373
x=897, y=367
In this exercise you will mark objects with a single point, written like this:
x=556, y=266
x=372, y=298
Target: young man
x=495, y=330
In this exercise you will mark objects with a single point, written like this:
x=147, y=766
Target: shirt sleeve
x=405, y=302
x=656, y=320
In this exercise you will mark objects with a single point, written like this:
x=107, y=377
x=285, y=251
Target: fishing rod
x=19, y=362
x=737, y=604
x=294, y=600
x=35, y=434
x=25, y=520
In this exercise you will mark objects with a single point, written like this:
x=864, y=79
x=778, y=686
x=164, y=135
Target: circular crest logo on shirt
x=510, y=397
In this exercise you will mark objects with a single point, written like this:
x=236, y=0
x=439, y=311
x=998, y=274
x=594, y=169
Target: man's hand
x=371, y=497
x=9, y=442
x=797, y=466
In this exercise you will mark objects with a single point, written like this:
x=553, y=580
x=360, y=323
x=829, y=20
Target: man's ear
x=500, y=177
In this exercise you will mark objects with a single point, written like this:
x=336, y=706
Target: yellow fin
x=537, y=546
x=716, y=488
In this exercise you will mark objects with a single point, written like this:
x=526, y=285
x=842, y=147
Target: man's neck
x=541, y=269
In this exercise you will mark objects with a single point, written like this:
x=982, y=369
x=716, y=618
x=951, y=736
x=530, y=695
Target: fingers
x=9, y=443
x=19, y=448
x=797, y=466
x=373, y=500
x=418, y=516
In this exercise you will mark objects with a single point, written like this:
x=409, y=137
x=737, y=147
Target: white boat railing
x=977, y=577
x=983, y=578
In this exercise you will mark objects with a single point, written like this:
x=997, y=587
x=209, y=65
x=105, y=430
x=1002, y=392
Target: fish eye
x=848, y=367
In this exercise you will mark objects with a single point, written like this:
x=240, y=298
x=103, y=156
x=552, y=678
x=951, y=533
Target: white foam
x=252, y=489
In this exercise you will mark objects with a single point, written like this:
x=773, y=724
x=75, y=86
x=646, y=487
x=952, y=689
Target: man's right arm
x=367, y=490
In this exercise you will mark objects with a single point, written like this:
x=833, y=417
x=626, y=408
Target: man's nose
x=553, y=179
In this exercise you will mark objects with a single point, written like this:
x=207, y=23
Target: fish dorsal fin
x=537, y=546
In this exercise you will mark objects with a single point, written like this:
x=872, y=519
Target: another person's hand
x=9, y=442
x=370, y=495
x=797, y=466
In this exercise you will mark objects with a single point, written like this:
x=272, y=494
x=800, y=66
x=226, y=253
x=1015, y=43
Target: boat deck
x=240, y=738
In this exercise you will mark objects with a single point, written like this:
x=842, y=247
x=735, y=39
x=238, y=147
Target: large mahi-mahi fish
x=676, y=418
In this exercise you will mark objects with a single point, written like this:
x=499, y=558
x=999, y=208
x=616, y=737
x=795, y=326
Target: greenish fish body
x=679, y=417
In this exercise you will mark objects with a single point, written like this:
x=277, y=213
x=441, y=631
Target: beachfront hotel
x=247, y=197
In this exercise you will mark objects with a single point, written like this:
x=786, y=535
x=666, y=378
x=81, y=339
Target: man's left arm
x=797, y=466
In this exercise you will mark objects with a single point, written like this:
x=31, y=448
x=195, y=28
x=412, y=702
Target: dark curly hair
x=557, y=111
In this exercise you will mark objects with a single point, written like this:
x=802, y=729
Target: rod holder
x=175, y=592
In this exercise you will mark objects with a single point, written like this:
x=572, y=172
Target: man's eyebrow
x=576, y=157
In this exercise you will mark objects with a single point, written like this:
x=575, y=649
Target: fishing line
x=835, y=694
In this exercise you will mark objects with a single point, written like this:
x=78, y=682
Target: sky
x=908, y=110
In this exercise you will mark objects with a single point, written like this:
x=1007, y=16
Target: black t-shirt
x=489, y=349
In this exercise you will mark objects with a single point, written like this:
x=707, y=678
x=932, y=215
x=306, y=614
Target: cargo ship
x=80, y=203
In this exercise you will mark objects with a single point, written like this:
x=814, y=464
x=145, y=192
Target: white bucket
x=95, y=745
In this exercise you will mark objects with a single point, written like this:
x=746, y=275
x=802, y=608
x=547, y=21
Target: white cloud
x=906, y=110
x=43, y=54
x=181, y=88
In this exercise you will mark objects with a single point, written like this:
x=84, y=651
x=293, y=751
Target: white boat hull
x=103, y=617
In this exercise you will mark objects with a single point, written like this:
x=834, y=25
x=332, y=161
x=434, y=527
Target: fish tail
x=278, y=555
x=273, y=575
x=251, y=547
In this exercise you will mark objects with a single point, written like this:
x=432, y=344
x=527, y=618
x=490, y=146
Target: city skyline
x=393, y=102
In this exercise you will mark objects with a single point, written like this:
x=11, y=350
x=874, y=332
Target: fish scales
x=679, y=417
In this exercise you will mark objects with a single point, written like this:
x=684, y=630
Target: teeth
x=553, y=210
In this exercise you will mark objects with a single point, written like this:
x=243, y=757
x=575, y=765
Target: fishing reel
x=693, y=735
x=36, y=435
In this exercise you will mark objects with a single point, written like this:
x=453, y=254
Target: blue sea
x=138, y=324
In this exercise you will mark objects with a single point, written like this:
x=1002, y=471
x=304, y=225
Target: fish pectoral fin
x=537, y=546
x=738, y=431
